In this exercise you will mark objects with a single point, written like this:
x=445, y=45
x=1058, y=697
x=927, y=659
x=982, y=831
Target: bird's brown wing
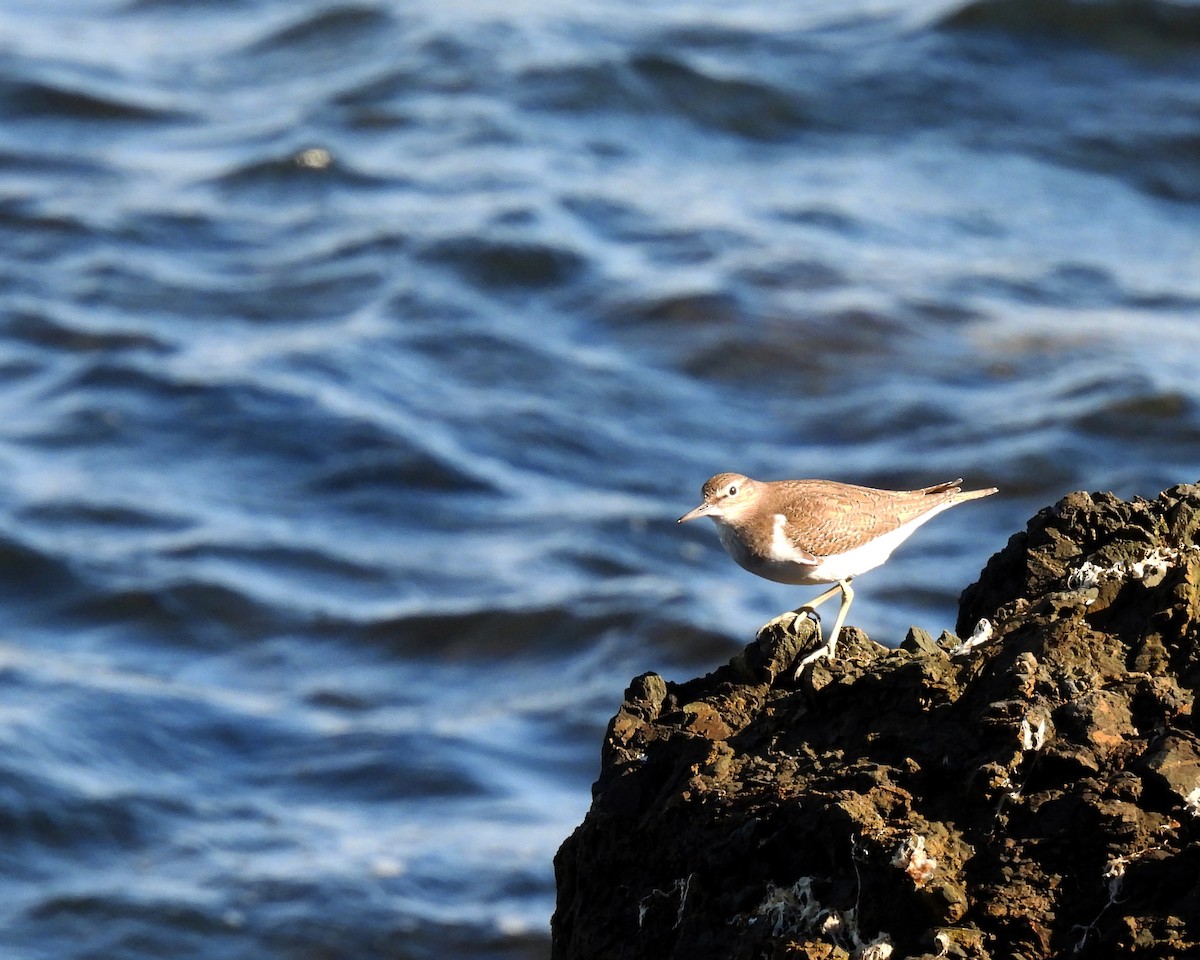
x=828, y=518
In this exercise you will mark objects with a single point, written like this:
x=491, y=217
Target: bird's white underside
x=788, y=564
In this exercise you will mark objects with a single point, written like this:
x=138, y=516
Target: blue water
x=358, y=359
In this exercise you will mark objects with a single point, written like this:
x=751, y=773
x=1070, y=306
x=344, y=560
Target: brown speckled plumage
x=818, y=531
x=826, y=518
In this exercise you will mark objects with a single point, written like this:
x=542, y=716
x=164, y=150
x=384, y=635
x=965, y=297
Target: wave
x=668, y=83
x=332, y=27
x=40, y=99
x=1137, y=27
x=481, y=632
x=495, y=263
x=32, y=574
x=41, y=330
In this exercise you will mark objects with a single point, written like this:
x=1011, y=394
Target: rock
x=1034, y=796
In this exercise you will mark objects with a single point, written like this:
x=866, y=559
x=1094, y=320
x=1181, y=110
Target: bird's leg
x=810, y=609
x=847, y=599
x=812, y=605
x=827, y=650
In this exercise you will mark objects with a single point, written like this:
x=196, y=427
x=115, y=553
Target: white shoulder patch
x=783, y=550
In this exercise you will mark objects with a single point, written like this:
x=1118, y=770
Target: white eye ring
x=733, y=490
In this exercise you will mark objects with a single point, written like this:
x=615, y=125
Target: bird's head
x=727, y=496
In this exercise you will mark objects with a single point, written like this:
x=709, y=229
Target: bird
x=807, y=532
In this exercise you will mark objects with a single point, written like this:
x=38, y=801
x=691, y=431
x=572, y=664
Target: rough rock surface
x=1037, y=795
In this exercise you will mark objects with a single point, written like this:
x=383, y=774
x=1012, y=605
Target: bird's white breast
x=783, y=563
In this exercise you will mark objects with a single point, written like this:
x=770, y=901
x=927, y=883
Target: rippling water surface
x=358, y=359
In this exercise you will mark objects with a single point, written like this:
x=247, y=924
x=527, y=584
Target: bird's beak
x=698, y=512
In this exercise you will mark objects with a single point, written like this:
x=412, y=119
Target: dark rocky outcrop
x=1034, y=796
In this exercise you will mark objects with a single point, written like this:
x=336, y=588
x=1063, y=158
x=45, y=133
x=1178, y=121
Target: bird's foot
x=811, y=613
x=787, y=622
x=827, y=649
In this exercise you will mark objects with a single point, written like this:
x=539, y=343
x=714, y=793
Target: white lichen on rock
x=1149, y=570
x=790, y=909
x=911, y=857
x=795, y=911
x=1033, y=736
x=980, y=635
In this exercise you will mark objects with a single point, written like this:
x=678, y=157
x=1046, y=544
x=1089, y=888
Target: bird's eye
x=733, y=490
